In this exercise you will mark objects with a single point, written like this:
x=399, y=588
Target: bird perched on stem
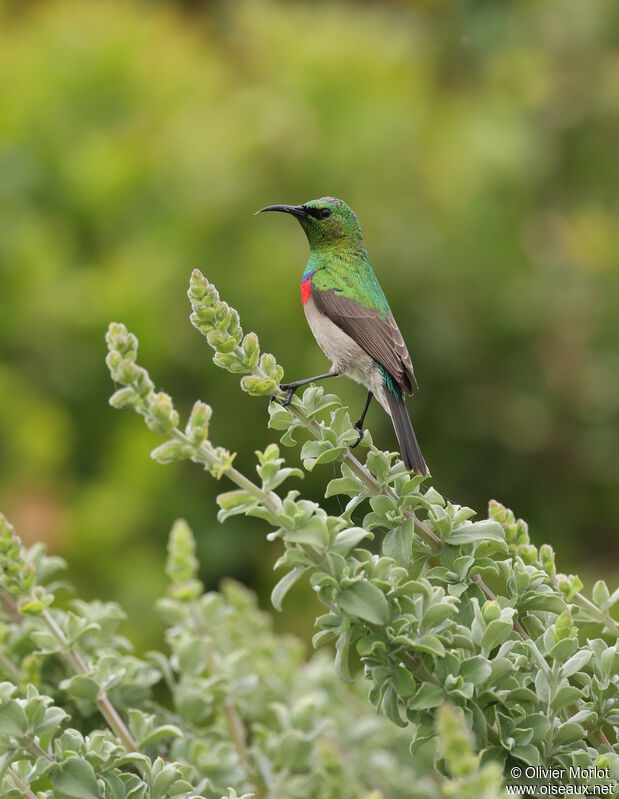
x=350, y=317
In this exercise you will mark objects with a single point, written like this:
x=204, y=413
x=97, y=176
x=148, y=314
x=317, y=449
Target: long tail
x=411, y=454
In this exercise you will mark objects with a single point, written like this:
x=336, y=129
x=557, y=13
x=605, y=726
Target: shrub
x=478, y=655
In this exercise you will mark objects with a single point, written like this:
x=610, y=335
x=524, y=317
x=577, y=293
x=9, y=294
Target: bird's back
x=350, y=274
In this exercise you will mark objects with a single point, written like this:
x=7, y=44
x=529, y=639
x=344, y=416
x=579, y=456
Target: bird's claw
x=357, y=426
x=289, y=389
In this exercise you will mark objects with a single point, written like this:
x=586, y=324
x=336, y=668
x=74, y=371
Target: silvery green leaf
x=565, y=696
x=285, y=584
x=528, y=754
x=436, y=614
x=495, y=633
x=601, y=595
x=343, y=485
x=398, y=543
x=81, y=687
x=562, y=650
x=549, y=602
x=161, y=733
x=521, y=694
x=348, y=539
x=475, y=670
x=576, y=663
x=75, y=779
x=429, y=643
x=568, y=733
x=342, y=656
x=427, y=697
x=364, y=600
x=476, y=532
x=13, y=721
x=542, y=688
x=391, y=708
x=313, y=532
x=378, y=464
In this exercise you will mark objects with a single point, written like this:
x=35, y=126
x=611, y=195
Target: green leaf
x=81, y=687
x=161, y=733
x=542, y=687
x=403, y=682
x=115, y=785
x=398, y=543
x=568, y=733
x=550, y=603
x=52, y=719
x=280, y=418
x=527, y=753
x=32, y=607
x=344, y=485
x=562, y=650
x=565, y=696
x=75, y=780
x=576, y=662
x=475, y=670
x=520, y=695
x=474, y=533
x=431, y=644
x=601, y=594
x=378, y=464
x=495, y=633
x=342, y=656
x=171, y=451
x=13, y=719
x=436, y=614
x=314, y=453
x=391, y=708
x=235, y=503
x=348, y=539
x=365, y=600
x=428, y=696
x=284, y=585
x=314, y=532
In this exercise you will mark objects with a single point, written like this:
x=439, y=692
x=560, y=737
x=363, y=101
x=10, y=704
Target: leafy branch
x=425, y=622
x=35, y=601
x=240, y=354
x=474, y=650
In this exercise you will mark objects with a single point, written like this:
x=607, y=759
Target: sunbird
x=351, y=320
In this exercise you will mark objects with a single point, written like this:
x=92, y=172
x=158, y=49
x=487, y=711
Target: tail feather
x=411, y=454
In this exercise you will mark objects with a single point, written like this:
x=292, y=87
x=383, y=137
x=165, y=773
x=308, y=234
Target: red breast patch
x=306, y=290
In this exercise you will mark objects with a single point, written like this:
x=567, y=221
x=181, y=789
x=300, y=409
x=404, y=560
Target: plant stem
x=108, y=711
x=22, y=786
x=10, y=606
x=74, y=659
x=34, y=748
x=605, y=741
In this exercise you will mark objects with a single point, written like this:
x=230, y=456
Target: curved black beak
x=296, y=210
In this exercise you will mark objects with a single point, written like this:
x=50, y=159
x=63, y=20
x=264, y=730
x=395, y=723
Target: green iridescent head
x=326, y=222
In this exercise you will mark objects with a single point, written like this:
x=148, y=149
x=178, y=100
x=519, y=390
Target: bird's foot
x=358, y=426
x=289, y=388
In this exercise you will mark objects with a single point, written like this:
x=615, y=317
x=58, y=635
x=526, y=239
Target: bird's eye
x=325, y=212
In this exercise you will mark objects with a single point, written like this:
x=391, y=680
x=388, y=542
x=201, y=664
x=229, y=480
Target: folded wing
x=379, y=337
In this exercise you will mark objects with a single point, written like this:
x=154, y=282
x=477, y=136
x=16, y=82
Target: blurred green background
x=477, y=142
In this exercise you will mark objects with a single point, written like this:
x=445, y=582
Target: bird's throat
x=306, y=290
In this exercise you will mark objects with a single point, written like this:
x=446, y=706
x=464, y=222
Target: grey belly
x=344, y=353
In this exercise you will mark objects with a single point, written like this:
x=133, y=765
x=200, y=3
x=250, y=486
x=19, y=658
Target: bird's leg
x=290, y=388
x=359, y=423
